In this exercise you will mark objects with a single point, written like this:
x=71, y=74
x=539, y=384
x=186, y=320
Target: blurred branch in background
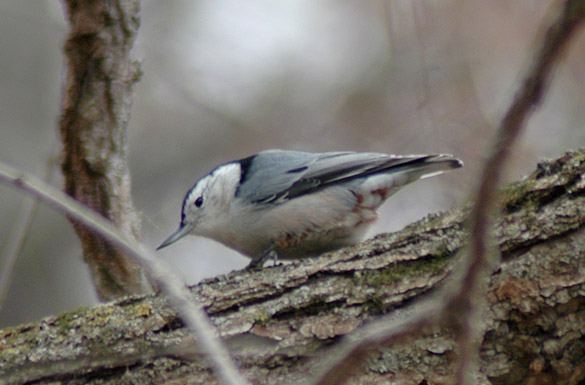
x=20, y=229
x=96, y=106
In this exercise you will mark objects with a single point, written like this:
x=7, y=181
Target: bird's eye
x=199, y=201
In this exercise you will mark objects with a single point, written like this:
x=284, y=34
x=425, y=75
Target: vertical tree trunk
x=97, y=98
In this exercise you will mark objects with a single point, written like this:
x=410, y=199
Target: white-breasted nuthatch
x=298, y=204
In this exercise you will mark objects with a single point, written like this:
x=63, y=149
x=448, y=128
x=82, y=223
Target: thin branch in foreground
x=531, y=92
x=171, y=285
x=458, y=307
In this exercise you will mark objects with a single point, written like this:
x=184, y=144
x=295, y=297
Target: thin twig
x=458, y=306
x=17, y=236
x=190, y=311
x=463, y=307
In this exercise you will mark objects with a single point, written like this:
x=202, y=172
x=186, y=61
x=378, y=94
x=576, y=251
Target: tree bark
x=282, y=323
x=96, y=106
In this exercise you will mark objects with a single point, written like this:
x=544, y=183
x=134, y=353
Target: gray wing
x=275, y=176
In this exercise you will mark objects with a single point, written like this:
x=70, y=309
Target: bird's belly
x=304, y=227
x=296, y=236
x=308, y=243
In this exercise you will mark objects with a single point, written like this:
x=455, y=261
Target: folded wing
x=273, y=177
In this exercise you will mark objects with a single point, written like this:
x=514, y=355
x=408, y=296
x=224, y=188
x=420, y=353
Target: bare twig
x=17, y=237
x=459, y=307
x=190, y=311
x=463, y=307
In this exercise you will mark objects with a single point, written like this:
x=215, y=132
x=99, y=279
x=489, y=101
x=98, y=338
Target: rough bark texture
x=95, y=111
x=282, y=322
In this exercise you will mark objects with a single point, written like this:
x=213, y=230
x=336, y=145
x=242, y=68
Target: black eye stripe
x=199, y=201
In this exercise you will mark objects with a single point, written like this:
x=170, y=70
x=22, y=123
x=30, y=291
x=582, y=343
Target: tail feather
x=435, y=165
x=426, y=166
x=386, y=181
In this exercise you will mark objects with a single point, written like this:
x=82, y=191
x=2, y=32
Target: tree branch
x=283, y=323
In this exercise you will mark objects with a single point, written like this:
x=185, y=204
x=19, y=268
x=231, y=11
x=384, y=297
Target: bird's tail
x=427, y=166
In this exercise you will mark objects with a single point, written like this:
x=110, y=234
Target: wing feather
x=273, y=176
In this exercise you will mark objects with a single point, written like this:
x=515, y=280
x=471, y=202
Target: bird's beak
x=180, y=233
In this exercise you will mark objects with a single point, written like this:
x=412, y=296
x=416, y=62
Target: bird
x=291, y=204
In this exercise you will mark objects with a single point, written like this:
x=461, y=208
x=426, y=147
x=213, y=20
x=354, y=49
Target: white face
x=195, y=201
x=209, y=198
x=206, y=206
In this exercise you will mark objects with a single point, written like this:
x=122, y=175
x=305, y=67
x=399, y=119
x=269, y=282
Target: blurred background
x=226, y=79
